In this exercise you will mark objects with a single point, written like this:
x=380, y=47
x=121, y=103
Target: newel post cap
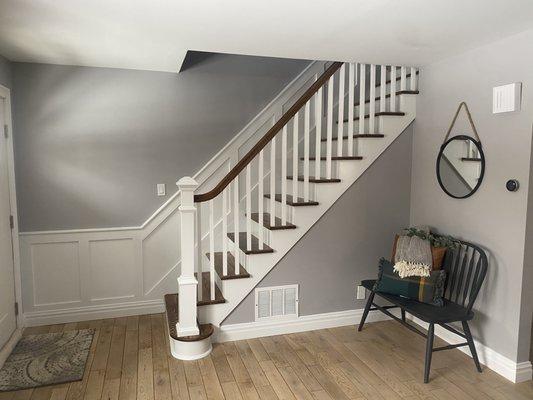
x=187, y=183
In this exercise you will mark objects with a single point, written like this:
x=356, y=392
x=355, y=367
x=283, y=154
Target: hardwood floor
x=129, y=359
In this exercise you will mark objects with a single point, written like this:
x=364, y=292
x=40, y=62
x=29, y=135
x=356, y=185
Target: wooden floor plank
x=210, y=379
x=276, y=380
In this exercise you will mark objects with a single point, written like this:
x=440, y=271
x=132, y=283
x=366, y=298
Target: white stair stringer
x=304, y=217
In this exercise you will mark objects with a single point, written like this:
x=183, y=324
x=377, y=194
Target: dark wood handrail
x=260, y=145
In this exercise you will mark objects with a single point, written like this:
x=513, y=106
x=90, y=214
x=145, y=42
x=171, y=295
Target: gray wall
x=492, y=217
x=91, y=143
x=525, y=341
x=345, y=245
x=5, y=72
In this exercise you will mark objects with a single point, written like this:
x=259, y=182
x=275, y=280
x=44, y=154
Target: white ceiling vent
x=276, y=302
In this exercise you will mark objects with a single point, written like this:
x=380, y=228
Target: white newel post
x=187, y=283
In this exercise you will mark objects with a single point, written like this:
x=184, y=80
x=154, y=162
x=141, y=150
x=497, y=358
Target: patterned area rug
x=47, y=359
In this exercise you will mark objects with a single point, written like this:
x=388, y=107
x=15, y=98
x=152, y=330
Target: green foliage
x=434, y=240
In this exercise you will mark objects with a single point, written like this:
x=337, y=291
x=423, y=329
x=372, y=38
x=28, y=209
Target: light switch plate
x=361, y=293
x=506, y=98
x=161, y=189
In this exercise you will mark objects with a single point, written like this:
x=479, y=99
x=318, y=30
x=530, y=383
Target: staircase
x=232, y=235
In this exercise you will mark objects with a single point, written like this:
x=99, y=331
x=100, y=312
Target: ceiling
x=156, y=34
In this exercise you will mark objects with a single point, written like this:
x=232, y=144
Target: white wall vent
x=506, y=98
x=276, y=303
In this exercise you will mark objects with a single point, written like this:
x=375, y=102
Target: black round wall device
x=512, y=185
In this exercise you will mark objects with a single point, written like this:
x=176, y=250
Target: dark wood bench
x=466, y=267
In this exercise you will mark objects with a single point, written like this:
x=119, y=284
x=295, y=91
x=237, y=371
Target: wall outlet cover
x=360, y=293
x=161, y=189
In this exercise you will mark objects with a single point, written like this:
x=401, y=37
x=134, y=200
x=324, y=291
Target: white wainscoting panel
x=111, y=264
x=55, y=273
x=160, y=252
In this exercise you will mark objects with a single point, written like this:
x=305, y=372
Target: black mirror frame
x=481, y=155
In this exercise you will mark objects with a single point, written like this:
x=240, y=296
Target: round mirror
x=460, y=166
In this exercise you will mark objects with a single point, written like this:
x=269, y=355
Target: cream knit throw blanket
x=413, y=257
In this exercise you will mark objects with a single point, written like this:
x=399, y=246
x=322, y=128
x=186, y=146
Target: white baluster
x=340, y=125
x=249, y=206
x=392, y=88
x=331, y=82
x=413, y=79
x=307, y=118
x=372, y=104
x=403, y=78
x=351, y=106
x=284, y=176
x=199, y=255
x=225, y=232
x=260, y=197
x=295, y=159
x=383, y=89
x=318, y=131
x=187, y=284
x=236, y=225
x=212, y=249
x=362, y=98
x=273, y=181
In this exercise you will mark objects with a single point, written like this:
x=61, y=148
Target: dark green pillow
x=424, y=289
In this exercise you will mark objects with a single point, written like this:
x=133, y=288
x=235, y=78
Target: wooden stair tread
x=255, y=244
x=206, y=292
x=336, y=158
x=231, y=267
x=277, y=222
x=312, y=179
x=359, y=136
x=378, y=114
x=299, y=201
x=398, y=78
x=388, y=95
x=475, y=159
x=171, y=307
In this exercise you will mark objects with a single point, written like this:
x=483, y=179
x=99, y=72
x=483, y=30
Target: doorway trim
x=5, y=94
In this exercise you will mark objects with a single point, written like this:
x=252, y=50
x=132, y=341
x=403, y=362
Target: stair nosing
x=379, y=114
x=288, y=225
x=314, y=180
x=233, y=276
x=357, y=136
x=266, y=250
x=399, y=92
x=292, y=204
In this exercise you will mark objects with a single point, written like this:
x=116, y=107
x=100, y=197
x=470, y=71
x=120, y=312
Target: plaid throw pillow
x=424, y=289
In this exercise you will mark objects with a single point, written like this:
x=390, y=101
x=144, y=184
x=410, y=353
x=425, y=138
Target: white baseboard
x=509, y=369
x=9, y=346
x=304, y=323
x=64, y=316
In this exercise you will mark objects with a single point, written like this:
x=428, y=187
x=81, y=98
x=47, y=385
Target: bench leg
x=403, y=315
x=429, y=351
x=365, y=312
x=471, y=345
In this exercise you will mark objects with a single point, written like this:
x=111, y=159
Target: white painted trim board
x=5, y=93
